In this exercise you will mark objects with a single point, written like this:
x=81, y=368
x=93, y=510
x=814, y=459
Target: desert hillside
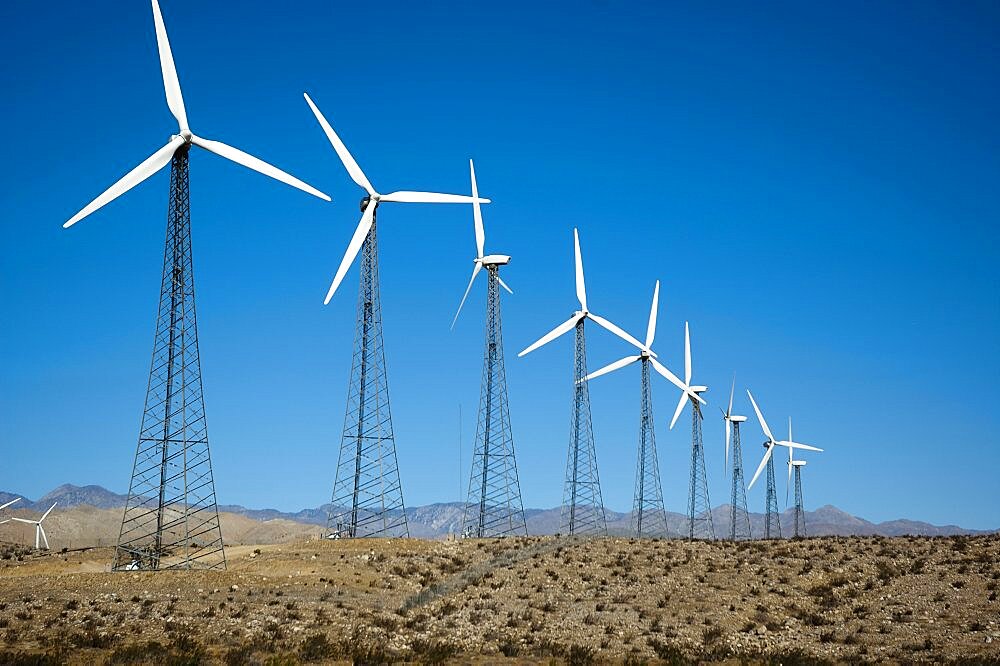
x=534, y=599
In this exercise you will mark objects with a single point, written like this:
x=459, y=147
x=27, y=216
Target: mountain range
x=438, y=520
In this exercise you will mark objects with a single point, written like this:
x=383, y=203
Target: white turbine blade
x=477, y=213
x=251, y=162
x=669, y=376
x=732, y=390
x=796, y=445
x=790, y=438
x=687, y=354
x=46, y=514
x=651, y=327
x=475, y=272
x=357, y=240
x=728, y=432
x=16, y=499
x=172, y=87
x=430, y=197
x=614, y=329
x=760, y=417
x=760, y=468
x=789, y=483
x=611, y=367
x=41, y=530
x=504, y=285
x=581, y=285
x=355, y=172
x=149, y=166
x=680, y=408
x=553, y=334
x=22, y=520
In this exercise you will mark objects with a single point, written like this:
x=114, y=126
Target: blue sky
x=816, y=185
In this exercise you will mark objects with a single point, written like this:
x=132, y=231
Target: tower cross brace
x=700, y=524
x=800, y=514
x=739, y=516
x=649, y=519
x=772, y=522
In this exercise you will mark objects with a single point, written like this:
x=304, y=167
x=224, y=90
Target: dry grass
x=527, y=599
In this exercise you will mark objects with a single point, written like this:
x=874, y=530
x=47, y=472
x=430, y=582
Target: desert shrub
x=579, y=655
x=30, y=659
x=316, y=648
x=668, y=652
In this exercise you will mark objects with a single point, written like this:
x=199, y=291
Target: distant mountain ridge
x=440, y=519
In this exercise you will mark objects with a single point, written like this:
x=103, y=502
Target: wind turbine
x=583, y=506
x=494, y=489
x=796, y=465
x=172, y=473
x=700, y=523
x=39, y=531
x=648, y=470
x=367, y=494
x=739, y=516
x=771, y=517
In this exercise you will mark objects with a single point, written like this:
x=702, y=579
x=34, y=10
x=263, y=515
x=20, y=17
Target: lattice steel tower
x=494, y=506
x=649, y=518
x=700, y=525
x=171, y=518
x=739, y=516
x=582, y=506
x=367, y=494
x=800, y=514
x=772, y=523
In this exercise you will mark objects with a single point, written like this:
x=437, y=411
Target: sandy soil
x=529, y=599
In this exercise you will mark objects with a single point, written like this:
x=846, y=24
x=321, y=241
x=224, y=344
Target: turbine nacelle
x=493, y=260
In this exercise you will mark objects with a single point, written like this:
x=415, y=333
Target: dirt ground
x=543, y=600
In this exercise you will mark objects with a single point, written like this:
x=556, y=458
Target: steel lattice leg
x=649, y=519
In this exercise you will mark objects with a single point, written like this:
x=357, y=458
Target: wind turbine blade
x=732, y=390
x=760, y=468
x=760, y=417
x=611, y=367
x=364, y=226
x=147, y=168
x=581, y=285
x=601, y=321
x=504, y=285
x=553, y=334
x=430, y=197
x=680, y=408
x=41, y=531
x=728, y=433
x=355, y=172
x=475, y=272
x=789, y=483
x=669, y=376
x=22, y=520
x=796, y=445
x=171, y=86
x=46, y=514
x=16, y=499
x=687, y=354
x=477, y=213
x=651, y=327
x=258, y=165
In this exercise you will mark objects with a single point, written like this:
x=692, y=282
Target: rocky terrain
x=536, y=599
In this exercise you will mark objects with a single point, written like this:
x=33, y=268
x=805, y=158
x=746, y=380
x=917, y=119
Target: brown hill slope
x=535, y=599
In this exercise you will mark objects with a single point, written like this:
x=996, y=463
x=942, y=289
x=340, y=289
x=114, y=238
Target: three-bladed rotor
x=772, y=442
x=646, y=353
x=184, y=136
x=582, y=313
x=730, y=418
x=480, y=260
x=373, y=198
x=39, y=531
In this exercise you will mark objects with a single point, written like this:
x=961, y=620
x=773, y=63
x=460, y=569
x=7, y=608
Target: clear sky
x=817, y=186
